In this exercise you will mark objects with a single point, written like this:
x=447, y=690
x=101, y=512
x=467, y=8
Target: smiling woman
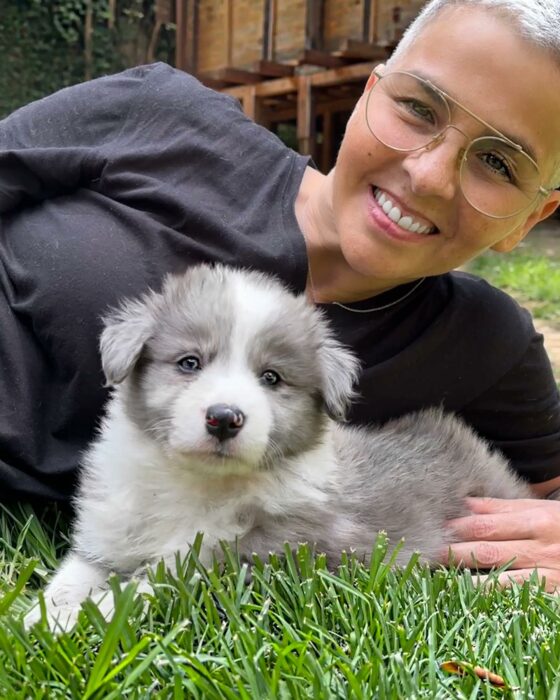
x=107, y=186
x=462, y=171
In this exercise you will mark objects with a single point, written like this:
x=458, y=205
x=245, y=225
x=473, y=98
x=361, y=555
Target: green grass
x=533, y=279
x=295, y=630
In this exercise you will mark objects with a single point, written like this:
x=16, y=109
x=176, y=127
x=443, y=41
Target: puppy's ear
x=340, y=370
x=127, y=329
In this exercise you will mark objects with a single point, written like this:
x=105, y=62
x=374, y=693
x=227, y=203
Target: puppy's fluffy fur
x=221, y=421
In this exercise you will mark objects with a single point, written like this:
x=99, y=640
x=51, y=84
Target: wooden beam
x=313, y=57
x=287, y=112
x=355, y=72
x=282, y=86
x=231, y=76
x=353, y=49
x=272, y=69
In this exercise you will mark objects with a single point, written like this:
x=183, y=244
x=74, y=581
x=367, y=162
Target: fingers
x=497, y=526
x=539, y=522
x=501, y=505
x=489, y=555
x=521, y=554
x=549, y=578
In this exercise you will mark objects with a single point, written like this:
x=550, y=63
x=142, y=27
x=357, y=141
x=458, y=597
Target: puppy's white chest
x=151, y=524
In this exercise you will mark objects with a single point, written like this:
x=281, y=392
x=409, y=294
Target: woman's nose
x=434, y=170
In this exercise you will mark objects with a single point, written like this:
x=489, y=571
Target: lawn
x=294, y=630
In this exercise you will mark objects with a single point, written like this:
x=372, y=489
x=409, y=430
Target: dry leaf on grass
x=462, y=667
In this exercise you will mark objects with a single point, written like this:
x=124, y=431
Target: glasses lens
x=405, y=112
x=497, y=179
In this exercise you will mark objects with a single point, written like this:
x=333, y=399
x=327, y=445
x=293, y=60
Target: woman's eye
x=270, y=377
x=419, y=110
x=497, y=164
x=190, y=363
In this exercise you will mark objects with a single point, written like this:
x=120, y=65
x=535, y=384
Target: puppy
x=225, y=419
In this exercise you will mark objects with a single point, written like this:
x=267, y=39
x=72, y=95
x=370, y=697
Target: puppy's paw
x=59, y=618
x=32, y=616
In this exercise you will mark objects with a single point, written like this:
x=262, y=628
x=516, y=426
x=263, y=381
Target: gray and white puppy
x=223, y=420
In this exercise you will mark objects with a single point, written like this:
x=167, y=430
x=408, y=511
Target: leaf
x=460, y=668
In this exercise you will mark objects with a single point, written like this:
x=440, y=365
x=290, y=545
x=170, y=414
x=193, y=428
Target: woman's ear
x=513, y=239
x=374, y=76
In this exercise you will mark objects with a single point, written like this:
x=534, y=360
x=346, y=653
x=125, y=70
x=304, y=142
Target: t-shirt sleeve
x=520, y=415
x=63, y=141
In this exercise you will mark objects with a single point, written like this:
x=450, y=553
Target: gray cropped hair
x=538, y=21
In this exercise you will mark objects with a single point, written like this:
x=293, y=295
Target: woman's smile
x=389, y=214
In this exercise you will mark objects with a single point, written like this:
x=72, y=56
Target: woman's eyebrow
x=434, y=90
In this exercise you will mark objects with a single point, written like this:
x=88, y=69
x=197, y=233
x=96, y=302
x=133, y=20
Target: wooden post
x=305, y=116
x=314, y=25
x=112, y=11
x=370, y=21
x=269, y=30
x=181, y=20
x=193, y=61
x=228, y=32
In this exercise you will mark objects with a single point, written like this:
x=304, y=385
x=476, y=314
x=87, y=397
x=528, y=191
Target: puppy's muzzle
x=223, y=421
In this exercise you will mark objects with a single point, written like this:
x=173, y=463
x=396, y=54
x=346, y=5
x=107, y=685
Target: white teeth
x=394, y=213
x=406, y=222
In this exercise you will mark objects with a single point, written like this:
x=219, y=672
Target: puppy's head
x=226, y=370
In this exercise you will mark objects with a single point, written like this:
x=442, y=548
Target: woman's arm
x=57, y=144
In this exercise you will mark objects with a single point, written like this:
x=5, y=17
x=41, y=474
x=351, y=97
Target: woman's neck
x=330, y=278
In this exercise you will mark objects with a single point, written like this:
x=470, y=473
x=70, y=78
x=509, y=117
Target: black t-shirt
x=108, y=185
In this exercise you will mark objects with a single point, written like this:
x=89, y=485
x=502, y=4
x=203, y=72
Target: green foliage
x=531, y=278
x=294, y=630
x=42, y=44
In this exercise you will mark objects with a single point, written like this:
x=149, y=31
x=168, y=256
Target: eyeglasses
x=497, y=177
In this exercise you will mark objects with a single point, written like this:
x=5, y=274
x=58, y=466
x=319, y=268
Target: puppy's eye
x=190, y=363
x=270, y=377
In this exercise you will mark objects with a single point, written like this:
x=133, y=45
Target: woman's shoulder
x=471, y=298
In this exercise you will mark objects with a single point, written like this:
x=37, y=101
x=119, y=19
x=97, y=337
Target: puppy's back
x=413, y=474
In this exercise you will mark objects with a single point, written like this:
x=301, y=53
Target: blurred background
x=296, y=66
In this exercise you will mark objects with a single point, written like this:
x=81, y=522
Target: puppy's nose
x=224, y=421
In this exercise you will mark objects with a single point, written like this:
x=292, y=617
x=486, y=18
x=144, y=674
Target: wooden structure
x=297, y=66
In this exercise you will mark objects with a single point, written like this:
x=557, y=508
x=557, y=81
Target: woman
x=451, y=150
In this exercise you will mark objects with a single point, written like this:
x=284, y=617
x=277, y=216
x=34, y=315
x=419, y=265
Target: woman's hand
x=526, y=531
